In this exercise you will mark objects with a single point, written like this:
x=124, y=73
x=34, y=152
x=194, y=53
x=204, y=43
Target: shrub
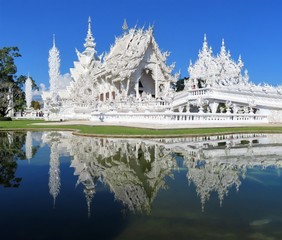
x=5, y=119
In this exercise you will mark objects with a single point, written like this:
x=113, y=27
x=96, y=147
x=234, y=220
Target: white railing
x=268, y=98
x=192, y=92
x=178, y=117
x=126, y=105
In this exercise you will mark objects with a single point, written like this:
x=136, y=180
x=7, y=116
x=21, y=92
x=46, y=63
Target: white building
x=133, y=83
x=133, y=73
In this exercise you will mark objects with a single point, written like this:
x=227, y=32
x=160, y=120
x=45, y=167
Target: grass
x=130, y=131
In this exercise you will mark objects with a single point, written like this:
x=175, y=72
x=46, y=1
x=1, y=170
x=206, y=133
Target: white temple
x=133, y=83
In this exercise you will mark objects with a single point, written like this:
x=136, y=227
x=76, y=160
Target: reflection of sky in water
x=206, y=188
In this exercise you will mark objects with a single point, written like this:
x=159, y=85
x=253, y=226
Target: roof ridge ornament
x=89, y=24
x=54, y=40
x=89, y=41
x=124, y=26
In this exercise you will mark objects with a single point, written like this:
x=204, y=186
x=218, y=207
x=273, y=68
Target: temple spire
x=124, y=26
x=223, y=49
x=89, y=24
x=54, y=40
x=89, y=41
x=205, y=44
x=28, y=92
x=54, y=70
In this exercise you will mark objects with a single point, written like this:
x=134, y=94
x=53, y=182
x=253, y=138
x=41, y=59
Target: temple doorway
x=147, y=83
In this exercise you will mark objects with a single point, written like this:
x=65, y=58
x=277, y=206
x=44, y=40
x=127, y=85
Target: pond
x=55, y=185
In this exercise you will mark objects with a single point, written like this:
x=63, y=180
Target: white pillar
x=137, y=89
x=28, y=92
x=156, y=82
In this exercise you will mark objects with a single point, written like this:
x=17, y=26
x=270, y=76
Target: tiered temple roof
x=218, y=70
x=132, y=54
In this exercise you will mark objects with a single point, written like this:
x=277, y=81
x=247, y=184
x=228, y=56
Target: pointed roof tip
x=205, y=37
x=54, y=40
x=222, y=42
x=89, y=25
x=124, y=25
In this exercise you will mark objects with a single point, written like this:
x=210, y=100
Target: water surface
x=58, y=186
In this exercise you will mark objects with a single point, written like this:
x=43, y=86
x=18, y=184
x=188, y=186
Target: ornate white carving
x=134, y=78
x=54, y=70
x=216, y=71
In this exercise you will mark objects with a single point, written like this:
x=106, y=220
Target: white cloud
x=64, y=81
x=42, y=87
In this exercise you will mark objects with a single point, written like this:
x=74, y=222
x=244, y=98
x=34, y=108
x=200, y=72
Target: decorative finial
x=89, y=24
x=205, y=44
x=89, y=41
x=124, y=26
x=54, y=41
x=222, y=43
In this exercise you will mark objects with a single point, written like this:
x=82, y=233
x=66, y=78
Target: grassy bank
x=130, y=131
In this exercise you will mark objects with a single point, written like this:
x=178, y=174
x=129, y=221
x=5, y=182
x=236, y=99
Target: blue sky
x=252, y=28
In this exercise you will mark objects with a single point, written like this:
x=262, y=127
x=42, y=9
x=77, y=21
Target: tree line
x=12, y=95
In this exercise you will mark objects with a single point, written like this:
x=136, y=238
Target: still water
x=55, y=185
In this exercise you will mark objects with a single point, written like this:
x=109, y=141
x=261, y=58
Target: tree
x=11, y=94
x=180, y=84
x=35, y=105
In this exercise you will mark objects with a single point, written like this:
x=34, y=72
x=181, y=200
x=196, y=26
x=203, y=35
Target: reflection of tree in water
x=11, y=144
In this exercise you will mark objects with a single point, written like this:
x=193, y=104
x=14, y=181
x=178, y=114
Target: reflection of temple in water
x=135, y=169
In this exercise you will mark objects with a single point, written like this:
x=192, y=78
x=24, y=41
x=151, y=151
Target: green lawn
x=118, y=130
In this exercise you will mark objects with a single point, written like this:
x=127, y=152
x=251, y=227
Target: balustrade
x=180, y=117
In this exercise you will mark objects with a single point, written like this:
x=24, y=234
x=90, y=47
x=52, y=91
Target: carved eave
x=128, y=52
